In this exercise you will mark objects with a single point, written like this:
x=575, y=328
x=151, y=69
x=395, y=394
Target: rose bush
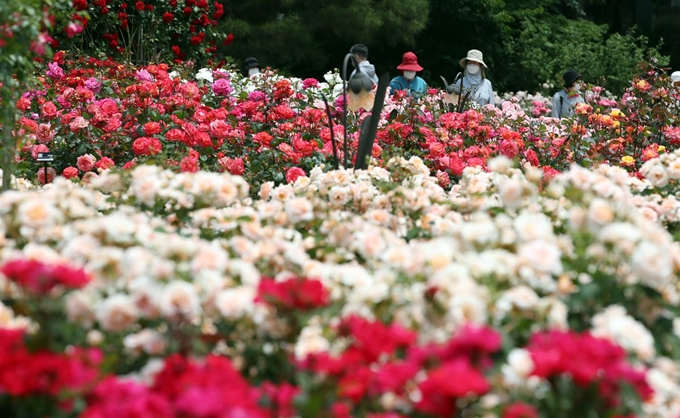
x=195, y=231
x=262, y=127
x=349, y=293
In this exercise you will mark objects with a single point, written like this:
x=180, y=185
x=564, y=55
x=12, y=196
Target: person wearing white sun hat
x=675, y=77
x=473, y=80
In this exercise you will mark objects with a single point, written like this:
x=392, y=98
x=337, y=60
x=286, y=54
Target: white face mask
x=409, y=75
x=577, y=87
x=473, y=69
x=253, y=71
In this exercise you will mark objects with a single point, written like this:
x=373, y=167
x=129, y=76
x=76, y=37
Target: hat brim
x=463, y=62
x=409, y=67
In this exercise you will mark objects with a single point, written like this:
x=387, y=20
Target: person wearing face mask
x=566, y=99
x=409, y=81
x=251, y=67
x=472, y=81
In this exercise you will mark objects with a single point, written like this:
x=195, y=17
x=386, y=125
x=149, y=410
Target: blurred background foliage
x=526, y=43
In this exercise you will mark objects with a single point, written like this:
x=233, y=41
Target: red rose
x=139, y=5
x=232, y=165
x=509, y=148
x=70, y=172
x=146, y=146
x=167, y=17
x=519, y=410
x=49, y=110
x=296, y=293
x=152, y=128
x=80, y=5
x=456, y=165
x=105, y=163
x=188, y=165
x=293, y=173
x=219, y=128
x=40, y=277
x=229, y=39
x=262, y=138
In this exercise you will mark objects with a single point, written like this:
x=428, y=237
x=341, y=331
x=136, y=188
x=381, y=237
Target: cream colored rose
x=38, y=213
x=658, y=176
x=179, y=300
x=235, y=302
x=147, y=341
x=299, y=209
x=117, y=313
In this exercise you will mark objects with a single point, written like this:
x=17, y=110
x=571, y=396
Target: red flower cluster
x=25, y=373
x=383, y=359
x=189, y=389
x=294, y=293
x=588, y=361
x=40, y=278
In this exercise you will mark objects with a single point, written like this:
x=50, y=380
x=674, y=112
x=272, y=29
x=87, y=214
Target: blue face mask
x=473, y=69
x=409, y=75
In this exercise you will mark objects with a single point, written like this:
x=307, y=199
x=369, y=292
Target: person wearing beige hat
x=409, y=81
x=472, y=80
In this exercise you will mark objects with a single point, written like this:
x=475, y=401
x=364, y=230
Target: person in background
x=472, y=80
x=566, y=99
x=409, y=81
x=251, y=67
x=675, y=77
x=360, y=53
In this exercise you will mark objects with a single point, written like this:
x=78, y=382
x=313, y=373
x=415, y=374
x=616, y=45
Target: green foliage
x=528, y=43
x=309, y=38
x=150, y=31
x=22, y=37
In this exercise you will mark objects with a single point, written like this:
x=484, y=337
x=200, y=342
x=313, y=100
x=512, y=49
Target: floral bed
x=93, y=114
x=210, y=262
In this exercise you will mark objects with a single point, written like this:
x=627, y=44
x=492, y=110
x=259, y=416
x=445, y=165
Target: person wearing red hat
x=409, y=81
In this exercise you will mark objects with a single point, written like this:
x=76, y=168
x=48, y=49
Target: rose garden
x=195, y=249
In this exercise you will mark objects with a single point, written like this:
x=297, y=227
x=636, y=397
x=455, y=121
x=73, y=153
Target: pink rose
x=222, y=87
x=86, y=162
x=37, y=149
x=51, y=174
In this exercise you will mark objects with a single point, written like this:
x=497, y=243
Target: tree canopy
x=526, y=43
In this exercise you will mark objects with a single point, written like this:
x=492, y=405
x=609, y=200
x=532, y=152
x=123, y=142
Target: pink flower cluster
x=211, y=388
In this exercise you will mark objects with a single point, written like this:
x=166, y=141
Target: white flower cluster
x=500, y=248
